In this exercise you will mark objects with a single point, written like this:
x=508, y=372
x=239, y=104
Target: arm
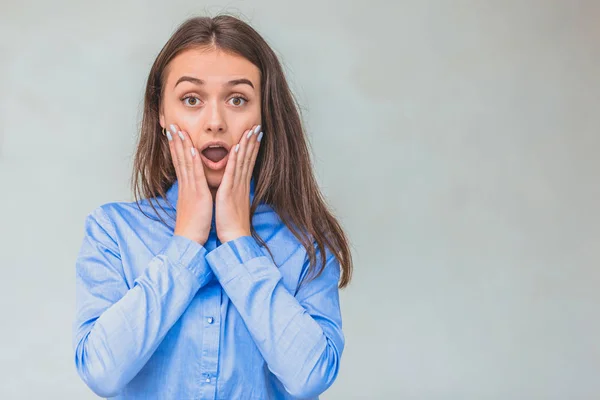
x=117, y=328
x=300, y=337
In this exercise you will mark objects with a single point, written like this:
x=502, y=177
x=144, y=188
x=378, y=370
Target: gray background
x=457, y=141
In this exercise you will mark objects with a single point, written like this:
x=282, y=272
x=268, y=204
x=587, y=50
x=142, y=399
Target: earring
x=164, y=132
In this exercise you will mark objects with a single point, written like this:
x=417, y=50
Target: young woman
x=239, y=298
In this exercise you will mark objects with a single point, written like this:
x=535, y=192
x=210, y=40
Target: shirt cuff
x=190, y=255
x=242, y=255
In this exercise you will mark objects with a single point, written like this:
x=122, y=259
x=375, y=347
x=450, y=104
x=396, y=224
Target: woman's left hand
x=232, y=201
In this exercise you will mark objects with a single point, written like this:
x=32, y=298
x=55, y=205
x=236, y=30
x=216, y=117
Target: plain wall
x=457, y=142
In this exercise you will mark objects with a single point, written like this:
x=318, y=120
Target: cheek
x=238, y=124
x=238, y=133
x=237, y=136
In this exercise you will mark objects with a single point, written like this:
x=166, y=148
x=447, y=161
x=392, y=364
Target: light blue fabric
x=159, y=316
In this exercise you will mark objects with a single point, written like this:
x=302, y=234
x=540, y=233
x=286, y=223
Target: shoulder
x=108, y=217
x=105, y=214
x=103, y=217
x=273, y=230
x=282, y=240
x=100, y=217
x=118, y=213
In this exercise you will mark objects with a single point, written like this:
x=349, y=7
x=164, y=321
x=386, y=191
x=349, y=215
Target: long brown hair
x=283, y=170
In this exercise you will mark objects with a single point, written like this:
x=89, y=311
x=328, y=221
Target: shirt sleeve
x=299, y=336
x=117, y=328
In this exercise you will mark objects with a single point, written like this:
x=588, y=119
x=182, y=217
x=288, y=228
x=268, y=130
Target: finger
x=254, y=156
x=250, y=146
x=172, y=135
x=227, y=180
x=198, y=166
x=188, y=158
x=179, y=151
x=241, y=158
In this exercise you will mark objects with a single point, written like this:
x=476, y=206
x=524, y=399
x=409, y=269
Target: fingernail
x=181, y=136
x=237, y=146
x=260, y=135
x=257, y=129
x=173, y=128
x=193, y=152
x=249, y=134
x=169, y=136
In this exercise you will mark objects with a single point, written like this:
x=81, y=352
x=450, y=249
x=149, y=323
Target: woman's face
x=213, y=96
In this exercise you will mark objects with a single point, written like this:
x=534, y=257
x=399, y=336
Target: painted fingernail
x=169, y=136
x=181, y=135
x=257, y=129
x=237, y=146
x=173, y=128
x=193, y=152
x=260, y=135
x=249, y=134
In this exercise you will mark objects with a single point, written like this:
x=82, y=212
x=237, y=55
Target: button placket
x=211, y=337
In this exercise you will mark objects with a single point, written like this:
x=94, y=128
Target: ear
x=161, y=119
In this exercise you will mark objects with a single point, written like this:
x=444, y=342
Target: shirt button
x=210, y=320
x=207, y=379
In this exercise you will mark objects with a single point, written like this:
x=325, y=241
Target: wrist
x=232, y=236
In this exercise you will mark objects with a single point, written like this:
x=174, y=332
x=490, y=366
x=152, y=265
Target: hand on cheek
x=232, y=202
x=194, y=201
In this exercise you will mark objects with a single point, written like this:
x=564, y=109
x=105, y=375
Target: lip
x=211, y=164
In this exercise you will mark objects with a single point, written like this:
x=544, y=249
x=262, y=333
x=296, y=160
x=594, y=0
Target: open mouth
x=215, y=157
x=215, y=154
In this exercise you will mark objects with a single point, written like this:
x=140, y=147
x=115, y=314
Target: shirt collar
x=173, y=192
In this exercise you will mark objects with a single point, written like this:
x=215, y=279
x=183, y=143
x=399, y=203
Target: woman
x=239, y=299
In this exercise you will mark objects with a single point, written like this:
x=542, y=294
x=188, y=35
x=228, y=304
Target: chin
x=214, y=180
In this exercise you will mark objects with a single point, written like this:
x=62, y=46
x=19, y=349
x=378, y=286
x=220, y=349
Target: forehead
x=212, y=66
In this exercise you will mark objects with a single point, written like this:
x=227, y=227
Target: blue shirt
x=160, y=316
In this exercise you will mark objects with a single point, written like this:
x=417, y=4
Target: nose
x=215, y=122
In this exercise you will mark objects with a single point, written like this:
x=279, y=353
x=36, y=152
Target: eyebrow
x=241, y=81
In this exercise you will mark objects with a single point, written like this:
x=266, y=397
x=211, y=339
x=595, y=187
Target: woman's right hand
x=194, y=200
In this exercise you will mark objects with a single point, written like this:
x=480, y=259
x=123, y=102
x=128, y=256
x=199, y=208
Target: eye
x=239, y=98
x=194, y=100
